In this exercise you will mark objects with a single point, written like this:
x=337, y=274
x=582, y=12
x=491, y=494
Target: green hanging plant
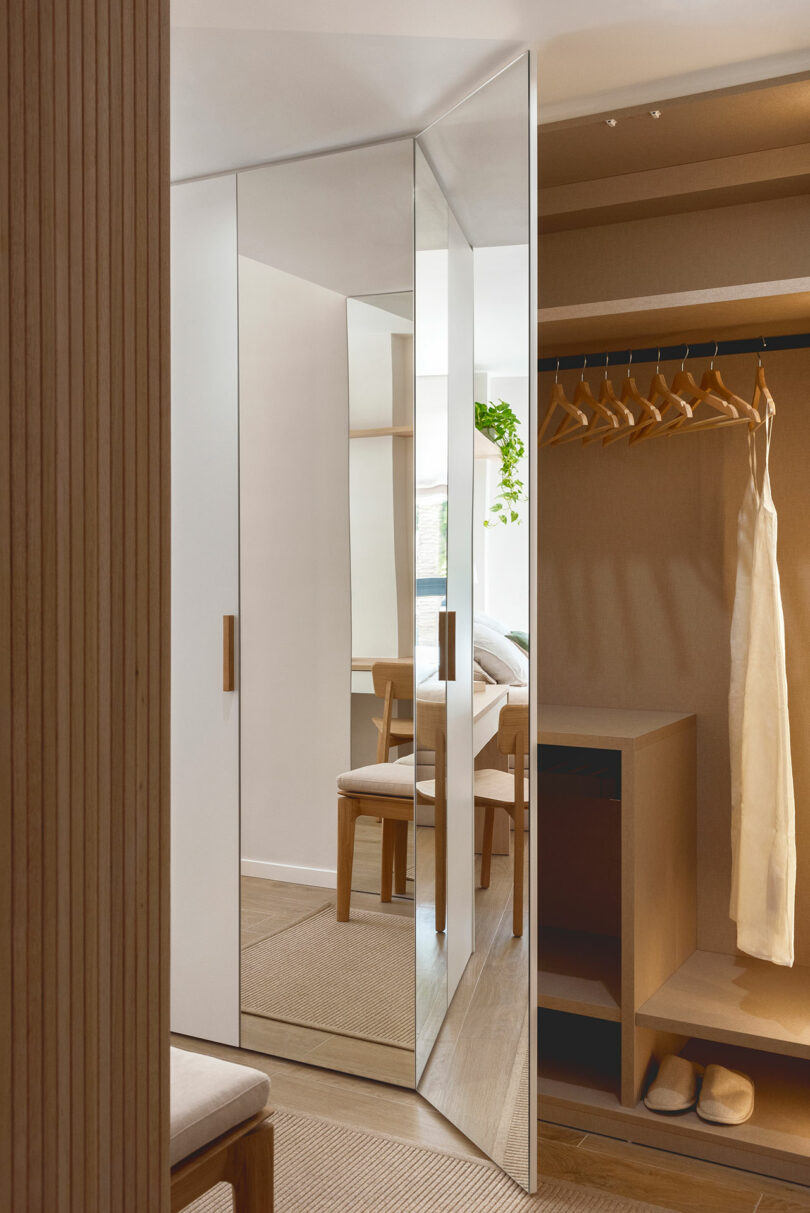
x=499, y=423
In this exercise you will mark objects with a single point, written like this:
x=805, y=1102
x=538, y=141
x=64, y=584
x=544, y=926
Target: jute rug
x=351, y=978
x=322, y=1167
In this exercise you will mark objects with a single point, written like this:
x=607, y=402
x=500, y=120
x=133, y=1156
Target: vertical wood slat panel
x=84, y=584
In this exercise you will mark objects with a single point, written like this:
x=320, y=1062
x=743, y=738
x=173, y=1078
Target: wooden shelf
x=579, y=973
x=778, y=1131
x=736, y=1000
x=605, y=728
x=683, y=315
x=384, y=431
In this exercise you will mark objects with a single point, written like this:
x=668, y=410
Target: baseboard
x=321, y=878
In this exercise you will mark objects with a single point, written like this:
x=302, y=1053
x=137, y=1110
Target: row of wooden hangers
x=682, y=407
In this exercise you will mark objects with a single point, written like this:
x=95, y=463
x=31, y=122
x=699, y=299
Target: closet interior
x=680, y=234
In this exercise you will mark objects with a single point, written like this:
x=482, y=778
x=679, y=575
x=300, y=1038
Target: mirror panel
x=380, y=345
x=479, y=1072
x=325, y=277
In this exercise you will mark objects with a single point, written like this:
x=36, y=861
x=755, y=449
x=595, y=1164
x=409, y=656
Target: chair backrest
x=513, y=730
x=430, y=725
x=513, y=738
x=397, y=674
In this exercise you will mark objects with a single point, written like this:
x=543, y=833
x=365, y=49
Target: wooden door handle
x=447, y=646
x=228, y=679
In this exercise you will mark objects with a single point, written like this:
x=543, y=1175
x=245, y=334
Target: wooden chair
x=220, y=1132
x=509, y=791
x=392, y=680
x=386, y=790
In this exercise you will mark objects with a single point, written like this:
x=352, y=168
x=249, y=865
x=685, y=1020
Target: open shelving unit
x=620, y=978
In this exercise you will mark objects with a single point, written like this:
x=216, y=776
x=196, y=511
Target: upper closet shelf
x=735, y=1000
x=684, y=315
x=384, y=431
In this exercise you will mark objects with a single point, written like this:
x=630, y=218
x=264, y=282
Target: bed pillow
x=521, y=639
x=499, y=657
x=489, y=621
x=480, y=674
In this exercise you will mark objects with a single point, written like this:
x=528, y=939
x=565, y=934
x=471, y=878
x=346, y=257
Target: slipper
x=726, y=1098
x=675, y=1086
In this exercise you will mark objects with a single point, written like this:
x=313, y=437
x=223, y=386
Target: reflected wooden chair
x=508, y=790
x=393, y=681
x=386, y=790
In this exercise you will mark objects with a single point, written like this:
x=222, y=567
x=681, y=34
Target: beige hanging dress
x=763, y=814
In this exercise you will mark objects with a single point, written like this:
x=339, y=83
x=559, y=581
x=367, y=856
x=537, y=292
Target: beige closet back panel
x=637, y=567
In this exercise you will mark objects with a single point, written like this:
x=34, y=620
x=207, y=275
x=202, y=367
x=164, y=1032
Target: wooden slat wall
x=84, y=584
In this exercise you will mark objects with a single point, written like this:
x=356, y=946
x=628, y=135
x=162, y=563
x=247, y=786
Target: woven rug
x=322, y=1167
x=351, y=978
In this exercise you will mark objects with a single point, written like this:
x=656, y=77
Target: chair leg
x=400, y=857
x=517, y=889
x=486, y=845
x=251, y=1171
x=440, y=843
x=387, y=859
x=347, y=816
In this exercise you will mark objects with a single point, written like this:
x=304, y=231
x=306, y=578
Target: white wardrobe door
x=205, y=587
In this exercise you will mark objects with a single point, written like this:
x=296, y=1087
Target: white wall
x=205, y=586
x=296, y=642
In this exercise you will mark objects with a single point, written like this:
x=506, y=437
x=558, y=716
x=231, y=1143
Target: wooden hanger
x=712, y=381
x=763, y=402
x=575, y=418
x=611, y=401
x=684, y=384
x=601, y=420
x=660, y=390
x=646, y=415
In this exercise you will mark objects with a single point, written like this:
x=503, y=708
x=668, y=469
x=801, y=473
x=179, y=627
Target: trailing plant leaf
x=499, y=423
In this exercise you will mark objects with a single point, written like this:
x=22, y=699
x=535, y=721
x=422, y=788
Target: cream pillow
x=499, y=657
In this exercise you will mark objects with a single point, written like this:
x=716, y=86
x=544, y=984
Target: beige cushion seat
x=208, y=1097
x=379, y=779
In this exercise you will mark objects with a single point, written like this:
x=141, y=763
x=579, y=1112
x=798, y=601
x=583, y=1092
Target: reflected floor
x=273, y=906
x=478, y=1069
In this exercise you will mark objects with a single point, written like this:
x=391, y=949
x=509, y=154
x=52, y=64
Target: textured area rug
x=322, y=1167
x=351, y=978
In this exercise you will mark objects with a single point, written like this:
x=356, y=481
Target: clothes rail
x=671, y=353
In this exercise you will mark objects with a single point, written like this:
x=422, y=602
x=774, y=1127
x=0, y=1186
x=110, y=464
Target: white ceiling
x=257, y=80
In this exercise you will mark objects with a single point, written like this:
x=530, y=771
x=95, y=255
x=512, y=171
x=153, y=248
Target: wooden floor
x=666, y=1181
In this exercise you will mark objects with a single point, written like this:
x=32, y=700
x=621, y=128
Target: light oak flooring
x=667, y=1181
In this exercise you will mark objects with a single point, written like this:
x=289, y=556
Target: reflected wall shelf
x=484, y=448
x=748, y=309
x=384, y=431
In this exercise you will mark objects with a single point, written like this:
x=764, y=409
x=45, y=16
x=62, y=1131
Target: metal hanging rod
x=671, y=353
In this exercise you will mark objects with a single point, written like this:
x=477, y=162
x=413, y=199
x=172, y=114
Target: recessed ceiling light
x=611, y=122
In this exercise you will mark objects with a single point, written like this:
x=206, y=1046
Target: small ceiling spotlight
x=654, y=113
x=611, y=122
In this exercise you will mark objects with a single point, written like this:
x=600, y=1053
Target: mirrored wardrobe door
x=325, y=377
x=473, y=182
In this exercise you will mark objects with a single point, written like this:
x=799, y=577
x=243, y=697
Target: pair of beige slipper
x=721, y=1096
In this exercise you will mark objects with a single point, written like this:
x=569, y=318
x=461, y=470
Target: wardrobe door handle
x=228, y=680
x=447, y=646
